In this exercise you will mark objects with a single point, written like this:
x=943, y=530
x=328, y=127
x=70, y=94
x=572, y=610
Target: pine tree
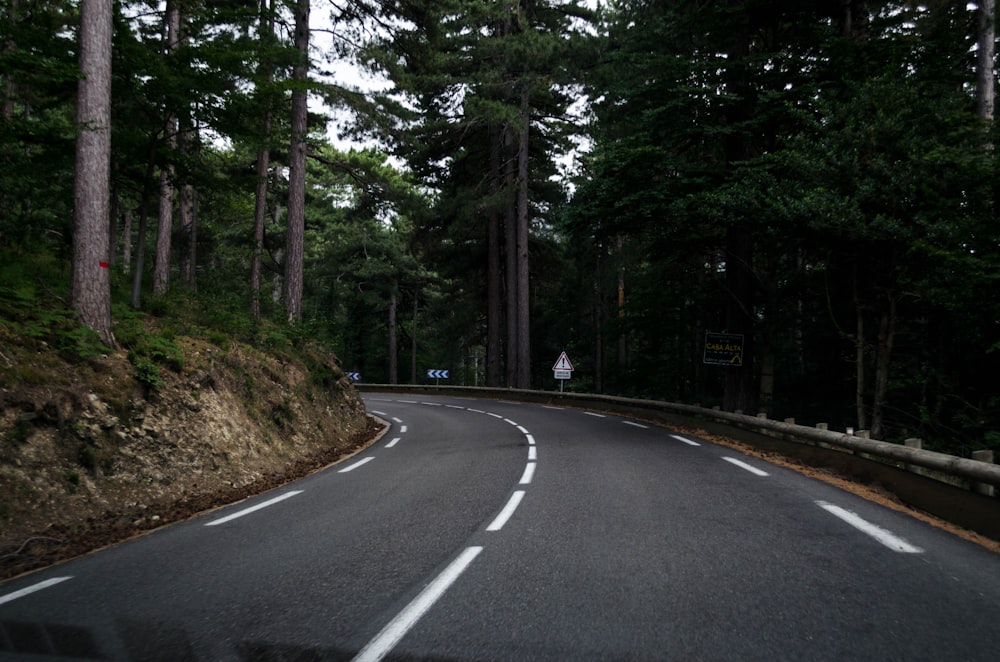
x=91, y=263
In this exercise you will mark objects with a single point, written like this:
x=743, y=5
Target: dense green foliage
x=811, y=175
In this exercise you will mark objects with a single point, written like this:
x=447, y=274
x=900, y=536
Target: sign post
x=562, y=370
x=437, y=375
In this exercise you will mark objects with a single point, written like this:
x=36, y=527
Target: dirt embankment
x=91, y=453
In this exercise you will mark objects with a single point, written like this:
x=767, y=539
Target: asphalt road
x=483, y=530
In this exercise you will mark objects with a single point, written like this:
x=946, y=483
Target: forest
x=479, y=185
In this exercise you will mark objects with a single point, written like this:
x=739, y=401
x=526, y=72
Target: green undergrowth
x=36, y=319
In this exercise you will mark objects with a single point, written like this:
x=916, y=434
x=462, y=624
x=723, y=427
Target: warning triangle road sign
x=562, y=363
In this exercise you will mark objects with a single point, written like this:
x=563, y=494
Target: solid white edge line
x=507, y=512
x=247, y=511
x=392, y=443
x=887, y=538
x=529, y=473
x=355, y=465
x=532, y=453
x=396, y=629
x=743, y=465
x=32, y=589
x=636, y=425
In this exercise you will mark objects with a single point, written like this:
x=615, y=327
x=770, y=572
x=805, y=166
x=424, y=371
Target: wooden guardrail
x=960, y=490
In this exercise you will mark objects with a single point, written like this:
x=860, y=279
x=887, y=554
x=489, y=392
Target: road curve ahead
x=486, y=530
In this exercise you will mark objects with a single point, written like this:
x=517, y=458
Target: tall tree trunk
x=510, y=262
x=523, y=267
x=295, y=234
x=986, y=58
x=413, y=337
x=263, y=161
x=12, y=18
x=187, y=211
x=622, y=334
x=127, y=242
x=164, y=228
x=599, y=316
x=739, y=393
x=259, y=220
x=494, y=275
x=188, y=208
x=860, y=358
x=393, y=343
x=91, y=286
x=886, y=338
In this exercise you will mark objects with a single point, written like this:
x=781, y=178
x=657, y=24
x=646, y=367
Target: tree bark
x=510, y=263
x=886, y=338
x=164, y=228
x=622, y=335
x=263, y=164
x=523, y=267
x=985, y=59
x=494, y=303
x=295, y=234
x=393, y=343
x=413, y=337
x=91, y=286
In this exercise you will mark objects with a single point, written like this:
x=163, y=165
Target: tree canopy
x=611, y=179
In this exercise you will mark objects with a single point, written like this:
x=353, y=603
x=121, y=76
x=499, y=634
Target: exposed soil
x=90, y=456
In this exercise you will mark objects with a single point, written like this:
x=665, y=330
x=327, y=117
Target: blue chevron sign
x=354, y=376
x=437, y=374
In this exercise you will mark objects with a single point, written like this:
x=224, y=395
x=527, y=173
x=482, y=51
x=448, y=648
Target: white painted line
x=594, y=414
x=355, y=465
x=887, y=538
x=514, y=423
x=521, y=429
x=247, y=511
x=743, y=465
x=402, y=429
x=431, y=404
x=529, y=473
x=477, y=411
x=378, y=413
x=494, y=415
x=454, y=407
x=689, y=442
x=396, y=629
x=393, y=442
x=397, y=420
x=532, y=453
x=636, y=425
x=508, y=510
x=531, y=440
x=408, y=402
x=31, y=589
x=551, y=407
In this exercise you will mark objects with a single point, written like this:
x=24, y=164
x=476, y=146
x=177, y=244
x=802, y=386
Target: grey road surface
x=486, y=530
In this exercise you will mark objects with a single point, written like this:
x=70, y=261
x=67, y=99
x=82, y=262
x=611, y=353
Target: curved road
x=484, y=530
